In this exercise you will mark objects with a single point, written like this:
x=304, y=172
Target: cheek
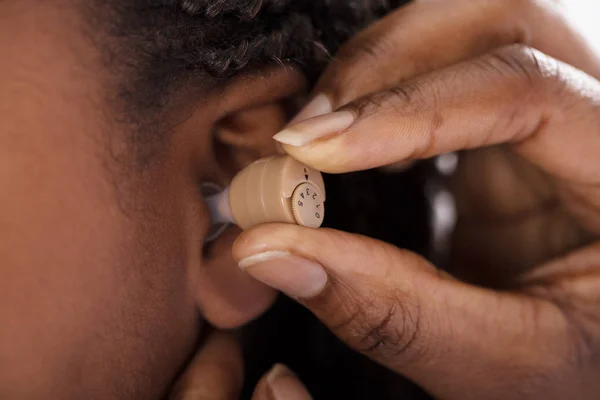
x=91, y=291
x=163, y=250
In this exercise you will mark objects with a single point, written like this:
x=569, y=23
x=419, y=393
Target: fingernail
x=318, y=106
x=293, y=275
x=315, y=128
x=285, y=385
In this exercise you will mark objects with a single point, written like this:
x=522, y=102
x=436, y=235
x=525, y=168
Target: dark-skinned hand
x=511, y=87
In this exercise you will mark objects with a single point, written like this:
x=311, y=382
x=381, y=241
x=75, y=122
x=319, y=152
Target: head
x=112, y=113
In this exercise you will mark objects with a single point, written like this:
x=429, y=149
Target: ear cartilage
x=275, y=189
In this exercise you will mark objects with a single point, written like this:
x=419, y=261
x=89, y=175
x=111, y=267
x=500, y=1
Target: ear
x=246, y=135
x=252, y=109
x=257, y=110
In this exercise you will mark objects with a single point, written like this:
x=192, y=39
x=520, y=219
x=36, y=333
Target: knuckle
x=384, y=328
x=388, y=332
x=367, y=106
x=402, y=99
x=422, y=96
x=513, y=61
x=583, y=320
x=534, y=83
x=536, y=70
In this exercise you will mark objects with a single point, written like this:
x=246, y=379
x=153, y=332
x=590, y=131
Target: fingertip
x=285, y=385
x=222, y=349
x=216, y=372
x=280, y=383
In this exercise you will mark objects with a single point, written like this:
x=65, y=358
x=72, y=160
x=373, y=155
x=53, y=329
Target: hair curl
x=160, y=43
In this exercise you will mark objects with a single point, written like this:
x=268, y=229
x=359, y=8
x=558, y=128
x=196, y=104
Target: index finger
x=547, y=110
x=426, y=35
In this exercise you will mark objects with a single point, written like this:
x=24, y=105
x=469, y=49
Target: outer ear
x=257, y=108
x=253, y=109
x=246, y=135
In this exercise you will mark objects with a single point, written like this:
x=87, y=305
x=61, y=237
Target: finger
x=546, y=110
x=427, y=35
x=455, y=340
x=216, y=372
x=280, y=384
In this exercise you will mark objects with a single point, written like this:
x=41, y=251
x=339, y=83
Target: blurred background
x=584, y=14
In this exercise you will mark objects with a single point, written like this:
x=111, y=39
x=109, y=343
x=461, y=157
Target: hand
x=216, y=373
x=438, y=77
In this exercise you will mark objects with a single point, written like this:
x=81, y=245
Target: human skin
x=517, y=317
x=217, y=372
x=104, y=281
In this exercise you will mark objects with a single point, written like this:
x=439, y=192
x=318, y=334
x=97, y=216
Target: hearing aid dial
x=307, y=206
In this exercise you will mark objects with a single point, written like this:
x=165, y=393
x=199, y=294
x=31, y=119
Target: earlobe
x=226, y=296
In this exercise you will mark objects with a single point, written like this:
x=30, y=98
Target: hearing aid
x=274, y=189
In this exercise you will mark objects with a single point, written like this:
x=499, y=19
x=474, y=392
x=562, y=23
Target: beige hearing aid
x=275, y=189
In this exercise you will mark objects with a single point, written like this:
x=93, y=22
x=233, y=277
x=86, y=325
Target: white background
x=585, y=14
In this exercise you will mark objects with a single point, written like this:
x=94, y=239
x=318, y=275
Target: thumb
x=456, y=340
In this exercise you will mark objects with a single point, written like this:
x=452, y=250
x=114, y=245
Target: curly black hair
x=158, y=45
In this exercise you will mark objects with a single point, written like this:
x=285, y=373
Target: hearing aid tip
x=217, y=202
